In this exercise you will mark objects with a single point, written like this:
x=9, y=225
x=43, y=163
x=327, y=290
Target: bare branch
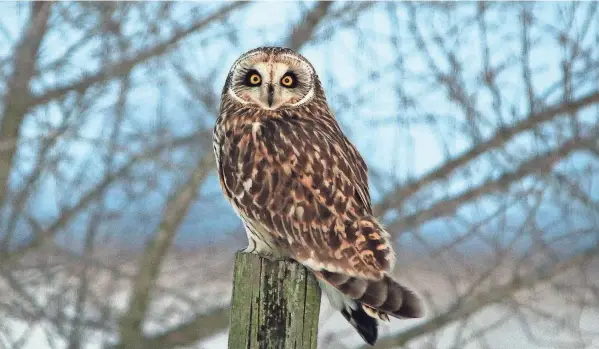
x=502, y=136
x=126, y=65
x=17, y=98
x=539, y=164
x=303, y=33
x=465, y=307
x=175, y=211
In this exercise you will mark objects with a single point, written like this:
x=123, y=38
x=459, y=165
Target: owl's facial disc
x=272, y=82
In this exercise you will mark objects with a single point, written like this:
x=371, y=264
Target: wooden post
x=275, y=305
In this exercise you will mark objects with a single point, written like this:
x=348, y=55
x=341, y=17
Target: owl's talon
x=267, y=255
x=249, y=249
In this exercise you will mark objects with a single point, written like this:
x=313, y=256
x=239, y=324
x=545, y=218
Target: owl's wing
x=307, y=186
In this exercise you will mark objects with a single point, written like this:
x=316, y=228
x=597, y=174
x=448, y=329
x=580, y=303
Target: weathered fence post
x=275, y=304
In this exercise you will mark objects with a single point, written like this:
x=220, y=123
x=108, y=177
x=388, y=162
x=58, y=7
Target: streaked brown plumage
x=301, y=187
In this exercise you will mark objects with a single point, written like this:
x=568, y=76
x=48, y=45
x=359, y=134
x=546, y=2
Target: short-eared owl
x=300, y=187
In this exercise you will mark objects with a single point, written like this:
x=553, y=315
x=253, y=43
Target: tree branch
x=17, y=98
x=465, y=307
x=201, y=326
x=500, y=137
x=537, y=164
x=126, y=65
x=304, y=32
x=151, y=260
x=43, y=235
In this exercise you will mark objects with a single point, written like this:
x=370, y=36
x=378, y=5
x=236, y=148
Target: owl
x=301, y=188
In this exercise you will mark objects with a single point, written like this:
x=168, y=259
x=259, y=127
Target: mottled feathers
x=301, y=189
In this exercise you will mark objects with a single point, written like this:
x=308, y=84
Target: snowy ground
x=499, y=329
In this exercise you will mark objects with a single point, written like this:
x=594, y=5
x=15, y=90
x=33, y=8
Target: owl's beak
x=271, y=95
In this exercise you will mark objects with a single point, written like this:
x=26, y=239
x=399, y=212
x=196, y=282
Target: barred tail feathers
x=363, y=302
x=353, y=312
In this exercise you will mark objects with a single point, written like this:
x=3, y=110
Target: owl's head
x=271, y=78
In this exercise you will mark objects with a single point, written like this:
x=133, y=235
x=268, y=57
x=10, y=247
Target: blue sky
x=344, y=62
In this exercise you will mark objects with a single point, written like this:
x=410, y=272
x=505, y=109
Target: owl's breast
x=237, y=151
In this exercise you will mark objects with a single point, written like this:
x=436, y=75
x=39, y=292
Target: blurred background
x=478, y=121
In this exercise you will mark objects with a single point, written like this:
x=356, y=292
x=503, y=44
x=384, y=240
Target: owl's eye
x=289, y=80
x=253, y=78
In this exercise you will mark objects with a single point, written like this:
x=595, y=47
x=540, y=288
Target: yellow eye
x=255, y=79
x=287, y=81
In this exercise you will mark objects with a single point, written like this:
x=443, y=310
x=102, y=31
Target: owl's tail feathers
x=352, y=311
x=363, y=301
